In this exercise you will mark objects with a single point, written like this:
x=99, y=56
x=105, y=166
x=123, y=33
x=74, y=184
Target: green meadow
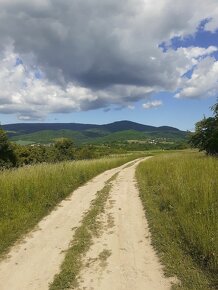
x=180, y=195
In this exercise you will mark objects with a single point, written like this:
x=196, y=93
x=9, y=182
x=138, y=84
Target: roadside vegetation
x=29, y=193
x=205, y=137
x=64, y=147
x=180, y=195
x=7, y=155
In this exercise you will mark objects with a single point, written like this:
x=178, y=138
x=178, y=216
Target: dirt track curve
x=120, y=258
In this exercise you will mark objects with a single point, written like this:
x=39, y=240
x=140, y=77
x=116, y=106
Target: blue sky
x=69, y=68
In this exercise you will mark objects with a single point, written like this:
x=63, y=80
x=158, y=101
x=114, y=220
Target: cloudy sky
x=98, y=61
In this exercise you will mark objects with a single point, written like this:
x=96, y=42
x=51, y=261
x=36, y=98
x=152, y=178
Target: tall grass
x=28, y=194
x=180, y=195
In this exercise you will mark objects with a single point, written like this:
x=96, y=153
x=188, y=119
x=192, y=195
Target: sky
x=152, y=62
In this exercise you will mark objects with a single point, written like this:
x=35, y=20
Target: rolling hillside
x=86, y=133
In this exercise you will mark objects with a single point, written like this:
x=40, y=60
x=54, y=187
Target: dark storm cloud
x=96, y=43
x=97, y=53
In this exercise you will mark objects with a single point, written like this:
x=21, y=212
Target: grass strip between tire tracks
x=82, y=241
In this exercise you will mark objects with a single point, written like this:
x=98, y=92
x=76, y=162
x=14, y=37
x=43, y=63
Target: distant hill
x=88, y=133
x=26, y=128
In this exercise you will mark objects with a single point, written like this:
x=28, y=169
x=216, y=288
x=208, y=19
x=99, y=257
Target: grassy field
x=28, y=194
x=180, y=195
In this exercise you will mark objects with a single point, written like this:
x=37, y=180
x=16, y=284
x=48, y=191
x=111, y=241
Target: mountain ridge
x=119, y=131
x=111, y=127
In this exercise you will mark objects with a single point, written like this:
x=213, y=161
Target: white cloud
x=203, y=82
x=96, y=53
x=131, y=107
x=195, y=52
x=33, y=98
x=212, y=24
x=152, y=104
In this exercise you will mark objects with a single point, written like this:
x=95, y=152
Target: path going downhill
x=121, y=257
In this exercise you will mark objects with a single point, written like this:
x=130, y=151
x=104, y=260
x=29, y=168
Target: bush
x=7, y=155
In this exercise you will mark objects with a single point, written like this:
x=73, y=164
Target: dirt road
x=121, y=258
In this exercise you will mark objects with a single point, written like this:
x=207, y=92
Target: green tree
x=205, y=137
x=30, y=154
x=85, y=152
x=65, y=149
x=7, y=155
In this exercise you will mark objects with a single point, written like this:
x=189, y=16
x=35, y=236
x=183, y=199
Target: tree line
x=14, y=155
x=205, y=137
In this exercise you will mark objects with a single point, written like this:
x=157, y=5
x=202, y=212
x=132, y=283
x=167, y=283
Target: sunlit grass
x=180, y=195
